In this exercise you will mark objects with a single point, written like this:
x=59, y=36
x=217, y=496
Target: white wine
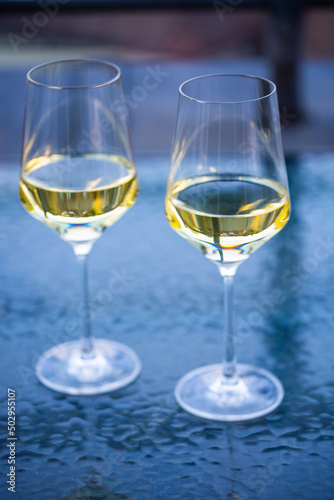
x=59, y=191
x=227, y=218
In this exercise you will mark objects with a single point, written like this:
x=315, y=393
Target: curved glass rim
x=101, y=62
x=228, y=75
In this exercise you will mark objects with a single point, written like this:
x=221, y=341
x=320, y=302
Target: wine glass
x=78, y=177
x=227, y=195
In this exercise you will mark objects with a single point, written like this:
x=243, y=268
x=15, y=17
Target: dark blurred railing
x=165, y=4
x=285, y=32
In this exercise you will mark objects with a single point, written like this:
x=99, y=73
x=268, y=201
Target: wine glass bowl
x=78, y=177
x=227, y=195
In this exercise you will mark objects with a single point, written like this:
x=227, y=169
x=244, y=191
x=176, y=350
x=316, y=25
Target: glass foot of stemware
x=206, y=393
x=107, y=367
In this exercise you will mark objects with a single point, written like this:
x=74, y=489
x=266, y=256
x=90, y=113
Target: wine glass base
x=252, y=393
x=69, y=369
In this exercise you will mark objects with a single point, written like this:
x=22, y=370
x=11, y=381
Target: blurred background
x=160, y=44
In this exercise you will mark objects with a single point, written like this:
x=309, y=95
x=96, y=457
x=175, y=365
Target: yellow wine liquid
x=78, y=196
x=227, y=218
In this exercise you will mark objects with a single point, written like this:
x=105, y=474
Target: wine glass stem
x=87, y=337
x=229, y=361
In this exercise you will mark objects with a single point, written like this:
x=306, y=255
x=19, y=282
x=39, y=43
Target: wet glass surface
x=157, y=294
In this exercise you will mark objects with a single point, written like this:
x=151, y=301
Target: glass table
x=154, y=292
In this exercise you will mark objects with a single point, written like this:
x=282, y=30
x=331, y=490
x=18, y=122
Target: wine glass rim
x=74, y=87
x=260, y=78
